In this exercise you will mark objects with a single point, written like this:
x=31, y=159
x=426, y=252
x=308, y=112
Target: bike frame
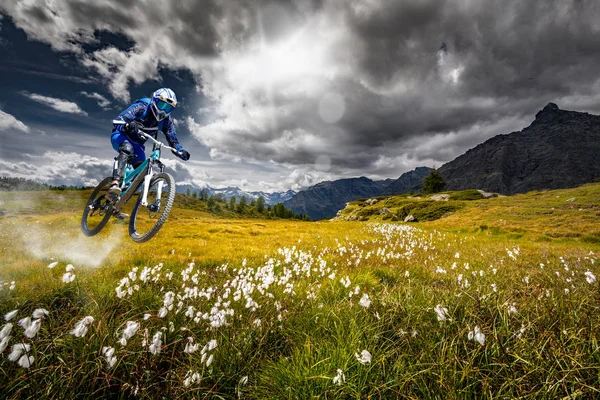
x=133, y=177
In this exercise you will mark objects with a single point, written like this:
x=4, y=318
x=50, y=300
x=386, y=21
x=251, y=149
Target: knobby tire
x=86, y=211
x=163, y=216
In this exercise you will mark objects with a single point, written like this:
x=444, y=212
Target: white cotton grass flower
x=12, y=286
x=81, y=327
x=512, y=309
x=5, y=330
x=4, y=343
x=191, y=347
x=53, y=264
x=212, y=345
x=155, y=347
x=40, y=313
x=346, y=281
x=244, y=380
x=108, y=353
x=33, y=328
x=191, y=377
x=365, y=301
x=441, y=313
x=68, y=277
x=364, y=357
x=10, y=315
x=69, y=268
x=24, y=322
x=340, y=378
x=209, y=361
x=162, y=312
x=17, y=350
x=147, y=316
x=168, y=300
x=131, y=328
x=477, y=335
x=25, y=361
x=590, y=277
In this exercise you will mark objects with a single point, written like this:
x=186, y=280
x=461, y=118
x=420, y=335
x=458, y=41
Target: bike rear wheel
x=146, y=221
x=98, y=210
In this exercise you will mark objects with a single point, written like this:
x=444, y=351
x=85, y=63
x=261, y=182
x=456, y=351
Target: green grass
x=512, y=252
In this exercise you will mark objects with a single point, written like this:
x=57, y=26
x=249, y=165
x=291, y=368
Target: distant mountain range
x=560, y=149
x=324, y=199
x=229, y=192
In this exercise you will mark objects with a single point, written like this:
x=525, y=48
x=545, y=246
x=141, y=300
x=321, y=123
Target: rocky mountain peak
x=548, y=114
x=558, y=150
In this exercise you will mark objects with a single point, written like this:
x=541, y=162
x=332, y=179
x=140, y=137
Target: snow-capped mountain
x=275, y=197
x=230, y=191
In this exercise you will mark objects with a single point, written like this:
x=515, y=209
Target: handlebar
x=157, y=142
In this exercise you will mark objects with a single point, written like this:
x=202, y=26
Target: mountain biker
x=127, y=139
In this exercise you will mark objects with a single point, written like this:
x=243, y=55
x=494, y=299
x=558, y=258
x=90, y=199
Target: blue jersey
x=140, y=111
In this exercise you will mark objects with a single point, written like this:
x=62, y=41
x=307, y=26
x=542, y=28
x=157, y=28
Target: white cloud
x=57, y=104
x=7, y=121
x=103, y=102
x=58, y=168
x=70, y=168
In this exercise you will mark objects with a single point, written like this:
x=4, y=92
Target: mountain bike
x=152, y=206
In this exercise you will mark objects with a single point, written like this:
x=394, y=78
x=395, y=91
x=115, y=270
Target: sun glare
x=287, y=60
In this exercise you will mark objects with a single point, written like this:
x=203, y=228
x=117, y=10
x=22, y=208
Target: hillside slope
x=558, y=150
x=324, y=199
x=557, y=213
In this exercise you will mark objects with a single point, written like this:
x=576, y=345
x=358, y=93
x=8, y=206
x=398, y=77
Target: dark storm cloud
x=371, y=87
x=501, y=62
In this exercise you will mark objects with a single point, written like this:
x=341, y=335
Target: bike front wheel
x=147, y=220
x=98, y=210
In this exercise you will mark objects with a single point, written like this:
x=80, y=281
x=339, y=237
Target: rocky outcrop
x=440, y=197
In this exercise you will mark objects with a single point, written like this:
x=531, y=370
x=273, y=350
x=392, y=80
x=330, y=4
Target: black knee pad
x=127, y=148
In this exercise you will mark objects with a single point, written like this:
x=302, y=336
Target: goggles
x=164, y=106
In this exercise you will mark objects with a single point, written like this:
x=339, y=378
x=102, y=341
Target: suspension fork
x=147, y=179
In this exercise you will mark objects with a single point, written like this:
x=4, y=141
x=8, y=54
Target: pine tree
x=211, y=202
x=242, y=205
x=260, y=205
x=434, y=182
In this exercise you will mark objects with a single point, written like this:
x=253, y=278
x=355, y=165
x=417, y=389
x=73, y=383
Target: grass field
x=499, y=298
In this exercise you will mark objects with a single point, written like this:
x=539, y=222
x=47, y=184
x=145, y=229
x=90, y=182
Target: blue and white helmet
x=163, y=103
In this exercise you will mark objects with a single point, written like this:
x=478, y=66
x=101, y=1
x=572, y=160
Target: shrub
x=469, y=194
x=367, y=212
x=431, y=212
